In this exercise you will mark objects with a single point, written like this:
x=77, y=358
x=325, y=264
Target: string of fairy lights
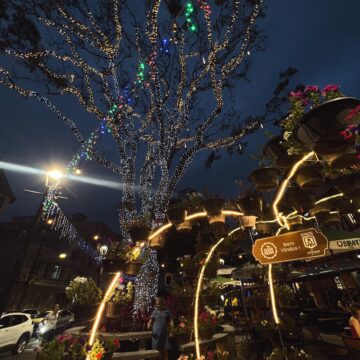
x=155, y=106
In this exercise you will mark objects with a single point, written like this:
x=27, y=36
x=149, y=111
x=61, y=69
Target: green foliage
x=83, y=291
x=51, y=350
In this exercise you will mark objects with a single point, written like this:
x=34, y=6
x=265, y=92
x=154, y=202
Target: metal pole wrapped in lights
x=101, y=310
x=198, y=289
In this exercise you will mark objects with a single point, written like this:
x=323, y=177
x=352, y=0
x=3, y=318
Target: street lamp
x=53, y=177
x=62, y=256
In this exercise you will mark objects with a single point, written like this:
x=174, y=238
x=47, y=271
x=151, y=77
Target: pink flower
x=346, y=134
x=311, y=88
x=329, y=88
x=296, y=95
x=353, y=113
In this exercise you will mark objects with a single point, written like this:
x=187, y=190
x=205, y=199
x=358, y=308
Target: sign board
x=292, y=246
x=346, y=244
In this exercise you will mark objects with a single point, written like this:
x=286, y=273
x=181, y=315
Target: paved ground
x=28, y=354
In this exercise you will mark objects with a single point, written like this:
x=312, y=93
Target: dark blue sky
x=320, y=38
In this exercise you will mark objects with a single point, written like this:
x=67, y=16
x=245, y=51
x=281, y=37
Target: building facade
x=37, y=264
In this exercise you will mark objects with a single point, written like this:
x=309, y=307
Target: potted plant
x=278, y=154
x=84, y=296
x=110, y=345
x=176, y=213
x=265, y=179
x=251, y=204
x=119, y=299
x=213, y=205
x=158, y=242
x=247, y=222
x=139, y=229
x=315, y=121
x=328, y=218
x=74, y=346
x=308, y=177
x=51, y=350
x=206, y=323
x=182, y=330
x=115, y=260
x=136, y=255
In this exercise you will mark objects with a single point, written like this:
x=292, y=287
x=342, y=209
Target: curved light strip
x=198, y=289
x=192, y=217
x=160, y=230
x=196, y=215
x=232, y=213
x=329, y=198
x=101, y=310
x=283, y=185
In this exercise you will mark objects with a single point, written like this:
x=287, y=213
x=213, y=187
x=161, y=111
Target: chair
x=353, y=346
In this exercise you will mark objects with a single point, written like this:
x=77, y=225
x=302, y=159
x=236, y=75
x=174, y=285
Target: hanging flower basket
x=264, y=228
x=328, y=219
x=158, y=242
x=216, y=219
x=295, y=223
x=114, y=310
x=176, y=215
x=113, y=265
x=348, y=184
x=132, y=268
x=278, y=154
x=296, y=199
x=139, y=233
x=265, y=179
x=247, y=222
x=84, y=312
x=214, y=206
x=184, y=227
x=251, y=204
x=319, y=129
x=309, y=177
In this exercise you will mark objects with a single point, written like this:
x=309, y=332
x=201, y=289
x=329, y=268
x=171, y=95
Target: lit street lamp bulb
x=50, y=221
x=62, y=256
x=77, y=172
x=55, y=174
x=96, y=237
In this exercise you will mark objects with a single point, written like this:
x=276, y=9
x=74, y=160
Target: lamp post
x=52, y=180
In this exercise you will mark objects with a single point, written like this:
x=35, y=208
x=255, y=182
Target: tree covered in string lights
x=157, y=75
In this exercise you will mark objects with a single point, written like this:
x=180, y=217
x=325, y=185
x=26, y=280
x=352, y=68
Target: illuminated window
x=55, y=272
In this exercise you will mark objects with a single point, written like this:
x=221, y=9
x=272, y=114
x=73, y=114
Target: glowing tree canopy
x=157, y=75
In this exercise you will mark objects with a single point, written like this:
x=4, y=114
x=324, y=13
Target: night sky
x=320, y=38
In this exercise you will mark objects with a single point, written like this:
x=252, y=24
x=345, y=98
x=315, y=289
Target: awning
x=341, y=241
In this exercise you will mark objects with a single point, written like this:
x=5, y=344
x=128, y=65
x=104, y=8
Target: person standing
x=50, y=323
x=161, y=324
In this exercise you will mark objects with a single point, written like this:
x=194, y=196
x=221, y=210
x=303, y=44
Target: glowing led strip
x=101, y=310
x=272, y=296
x=328, y=198
x=192, y=217
x=198, y=289
x=282, y=188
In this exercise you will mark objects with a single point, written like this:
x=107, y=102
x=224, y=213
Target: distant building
x=6, y=195
x=32, y=272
